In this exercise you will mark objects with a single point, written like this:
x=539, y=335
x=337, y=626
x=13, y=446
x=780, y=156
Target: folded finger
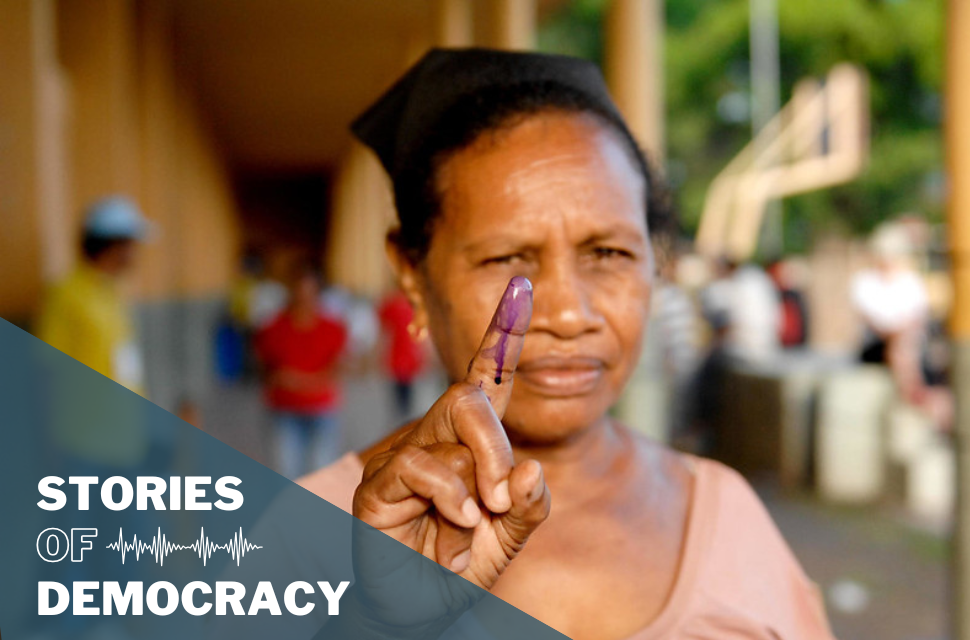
x=401, y=489
x=531, y=503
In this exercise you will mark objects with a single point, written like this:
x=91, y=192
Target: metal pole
x=957, y=140
x=766, y=100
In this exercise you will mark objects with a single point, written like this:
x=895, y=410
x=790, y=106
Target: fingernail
x=501, y=497
x=536, y=490
x=471, y=512
x=460, y=562
x=540, y=486
x=515, y=310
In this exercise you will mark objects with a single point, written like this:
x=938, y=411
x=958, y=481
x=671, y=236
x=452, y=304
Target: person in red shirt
x=404, y=357
x=300, y=350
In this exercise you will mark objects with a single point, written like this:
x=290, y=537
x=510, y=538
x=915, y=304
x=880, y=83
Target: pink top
x=737, y=577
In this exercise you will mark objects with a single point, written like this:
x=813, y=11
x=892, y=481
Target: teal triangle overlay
x=60, y=418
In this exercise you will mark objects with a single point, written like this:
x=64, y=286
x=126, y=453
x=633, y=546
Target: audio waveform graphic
x=160, y=547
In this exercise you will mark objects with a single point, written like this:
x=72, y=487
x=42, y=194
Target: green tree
x=899, y=43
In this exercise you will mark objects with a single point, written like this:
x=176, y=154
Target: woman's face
x=555, y=198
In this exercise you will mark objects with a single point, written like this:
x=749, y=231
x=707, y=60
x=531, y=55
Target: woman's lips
x=561, y=377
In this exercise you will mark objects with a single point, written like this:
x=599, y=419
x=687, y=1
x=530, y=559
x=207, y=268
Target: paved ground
x=884, y=578
x=900, y=567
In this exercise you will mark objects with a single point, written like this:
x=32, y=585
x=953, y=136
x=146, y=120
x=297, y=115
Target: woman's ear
x=409, y=279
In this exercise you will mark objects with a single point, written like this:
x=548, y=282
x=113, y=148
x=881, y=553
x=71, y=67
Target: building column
x=97, y=45
x=32, y=169
x=957, y=140
x=634, y=68
x=361, y=213
x=510, y=24
x=452, y=24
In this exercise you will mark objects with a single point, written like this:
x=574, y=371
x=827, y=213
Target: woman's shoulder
x=740, y=528
x=337, y=482
x=746, y=564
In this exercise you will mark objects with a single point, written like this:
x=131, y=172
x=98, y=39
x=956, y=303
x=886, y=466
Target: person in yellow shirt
x=84, y=315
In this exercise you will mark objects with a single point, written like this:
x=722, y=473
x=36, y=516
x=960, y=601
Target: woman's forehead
x=553, y=167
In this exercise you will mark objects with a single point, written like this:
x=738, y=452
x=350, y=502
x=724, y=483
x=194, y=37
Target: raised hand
x=448, y=487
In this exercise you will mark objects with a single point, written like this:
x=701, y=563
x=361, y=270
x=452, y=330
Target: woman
x=511, y=169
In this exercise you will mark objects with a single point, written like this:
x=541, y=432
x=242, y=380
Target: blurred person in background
x=892, y=301
x=300, y=350
x=403, y=352
x=793, y=325
x=268, y=295
x=743, y=304
x=706, y=401
x=358, y=315
x=233, y=349
x=676, y=319
x=85, y=315
x=243, y=288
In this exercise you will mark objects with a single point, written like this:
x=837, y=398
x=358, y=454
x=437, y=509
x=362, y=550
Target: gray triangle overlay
x=60, y=418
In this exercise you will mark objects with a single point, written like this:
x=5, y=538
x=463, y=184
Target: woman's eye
x=508, y=259
x=611, y=252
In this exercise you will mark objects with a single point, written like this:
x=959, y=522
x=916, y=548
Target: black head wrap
x=451, y=96
x=397, y=124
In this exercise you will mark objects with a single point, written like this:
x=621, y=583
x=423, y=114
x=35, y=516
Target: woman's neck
x=591, y=453
x=581, y=458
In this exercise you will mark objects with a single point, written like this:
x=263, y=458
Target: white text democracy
x=54, y=598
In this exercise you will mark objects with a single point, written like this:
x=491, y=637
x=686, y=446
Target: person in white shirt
x=745, y=303
x=892, y=302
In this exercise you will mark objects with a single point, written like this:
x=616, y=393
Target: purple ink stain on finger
x=512, y=317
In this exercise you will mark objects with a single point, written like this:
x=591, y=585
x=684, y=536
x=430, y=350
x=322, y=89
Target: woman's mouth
x=561, y=377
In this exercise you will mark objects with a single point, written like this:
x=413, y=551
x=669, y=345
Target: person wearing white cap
x=84, y=315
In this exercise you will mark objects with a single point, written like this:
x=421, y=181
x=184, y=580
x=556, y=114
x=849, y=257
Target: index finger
x=494, y=364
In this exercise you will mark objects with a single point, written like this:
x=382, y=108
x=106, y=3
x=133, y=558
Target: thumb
x=531, y=502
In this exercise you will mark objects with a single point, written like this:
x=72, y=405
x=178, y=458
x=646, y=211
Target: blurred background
x=187, y=164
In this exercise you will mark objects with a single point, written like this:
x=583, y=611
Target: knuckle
x=467, y=400
x=366, y=503
x=461, y=461
x=481, y=368
x=457, y=457
x=456, y=488
x=408, y=456
x=463, y=392
x=375, y=464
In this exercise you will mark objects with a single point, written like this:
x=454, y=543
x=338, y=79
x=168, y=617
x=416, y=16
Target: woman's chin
x=551, y=421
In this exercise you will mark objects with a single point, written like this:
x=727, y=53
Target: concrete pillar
x=97, y=46
x=33, y=244
x=634, y=68
x=159, y=134
x=452, y=24
x=958, y=159
x=362, y=211
x=957, y=140
x=509, y=24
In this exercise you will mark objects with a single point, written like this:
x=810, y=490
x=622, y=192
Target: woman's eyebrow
x=491, y=244
x=622, y=233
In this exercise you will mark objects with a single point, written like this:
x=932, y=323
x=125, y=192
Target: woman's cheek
x=623, y=298
x=630, y=286
x=466, y=324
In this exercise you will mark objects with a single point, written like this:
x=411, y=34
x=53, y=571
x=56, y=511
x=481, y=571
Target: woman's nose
x=563, y=304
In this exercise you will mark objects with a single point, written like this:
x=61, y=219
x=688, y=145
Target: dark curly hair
x=416, y=193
